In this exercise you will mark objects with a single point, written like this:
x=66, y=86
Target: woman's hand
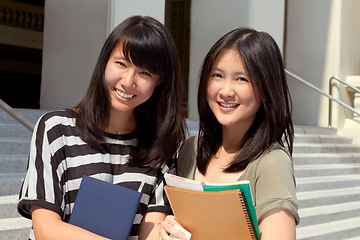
x=48, y=225
x=168, y=231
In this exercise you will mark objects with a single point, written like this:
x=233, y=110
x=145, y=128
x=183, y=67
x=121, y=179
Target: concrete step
x=326, y=170
x=12, y=224
x=10, y=183
x=344, y=229
x=325, y=158
x=8, y=206
x=312, y=138
x=30, y=114
x=13, y=163
x=321, y=214
x=13, y=130
x=20, y=231
x=313, y=198
x=327, y=182
x=312, y=130
x=14, y=146
x=325, y=148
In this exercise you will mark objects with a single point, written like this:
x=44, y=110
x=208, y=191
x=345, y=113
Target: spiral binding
x=249, y=220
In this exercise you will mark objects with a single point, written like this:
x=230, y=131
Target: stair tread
x=4, y=156
x=329, y=209
x=10, y=199
x=15, y=139
x=325, y=144
x=11, y=176
x=328, y=193
x=14, y=223
x=350, y=154
x=323, y=179
x=328, y=227
x=327, y=166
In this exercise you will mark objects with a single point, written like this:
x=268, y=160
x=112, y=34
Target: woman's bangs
x=143, y=52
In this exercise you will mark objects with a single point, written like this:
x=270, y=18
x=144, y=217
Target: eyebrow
x=119, y=56
x=235, y=73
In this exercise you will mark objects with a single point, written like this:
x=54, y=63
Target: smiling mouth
x=228, y=105
x=124, y=95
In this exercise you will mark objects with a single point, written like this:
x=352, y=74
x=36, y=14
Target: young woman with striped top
x=125, y=131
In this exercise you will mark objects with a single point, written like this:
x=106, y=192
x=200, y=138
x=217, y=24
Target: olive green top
x=271, y=177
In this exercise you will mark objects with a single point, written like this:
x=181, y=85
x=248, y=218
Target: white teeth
x=124, y=95
x=227, y=105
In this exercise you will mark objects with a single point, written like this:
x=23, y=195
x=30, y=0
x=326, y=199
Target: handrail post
x=330, y=105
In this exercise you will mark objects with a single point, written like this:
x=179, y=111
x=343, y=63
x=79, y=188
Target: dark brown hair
x=273, y=123
x=160, y=121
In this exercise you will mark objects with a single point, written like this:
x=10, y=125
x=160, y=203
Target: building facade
x=318, y=38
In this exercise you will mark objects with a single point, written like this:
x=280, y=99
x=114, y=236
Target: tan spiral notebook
x=213, y=214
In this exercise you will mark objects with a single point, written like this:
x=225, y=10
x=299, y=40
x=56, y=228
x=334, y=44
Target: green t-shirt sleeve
x=275, y=184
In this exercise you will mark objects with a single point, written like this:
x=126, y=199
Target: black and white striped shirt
x=59, y=158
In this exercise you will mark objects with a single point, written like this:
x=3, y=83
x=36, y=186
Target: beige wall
x=74, y=32
x=349, y=54
x=119, y=10
x=306, y=40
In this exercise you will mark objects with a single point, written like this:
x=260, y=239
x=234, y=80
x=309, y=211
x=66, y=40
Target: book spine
x=254, y=234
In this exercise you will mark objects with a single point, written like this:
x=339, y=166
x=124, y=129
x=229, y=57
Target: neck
x=121, y=123
x=233, y=137
x=232, y=140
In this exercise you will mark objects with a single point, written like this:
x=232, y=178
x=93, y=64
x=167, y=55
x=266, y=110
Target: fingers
x=168, y=231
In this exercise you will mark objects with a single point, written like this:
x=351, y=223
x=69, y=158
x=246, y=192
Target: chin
x=226, y=123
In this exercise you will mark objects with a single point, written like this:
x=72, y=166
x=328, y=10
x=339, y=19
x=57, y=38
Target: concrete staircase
x=326, y=169
x=14, y=150
x=327, y=173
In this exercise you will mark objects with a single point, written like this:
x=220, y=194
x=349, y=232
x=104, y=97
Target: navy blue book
x=105, y=208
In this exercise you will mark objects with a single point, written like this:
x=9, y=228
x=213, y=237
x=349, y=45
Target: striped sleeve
x=41, y=184
x=158, y=199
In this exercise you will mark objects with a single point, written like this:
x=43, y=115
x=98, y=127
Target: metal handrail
x=325, y=94
x=26, y=123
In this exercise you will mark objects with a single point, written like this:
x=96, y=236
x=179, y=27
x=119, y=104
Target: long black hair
x=160, y=120
x=273, y=122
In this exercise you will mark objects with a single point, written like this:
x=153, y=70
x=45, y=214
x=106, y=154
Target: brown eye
x=145, y=73
x=241, y=79
x=216, y=75
x=121, y=64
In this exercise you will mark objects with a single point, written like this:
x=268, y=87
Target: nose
x=128, y=79
x=227, y=90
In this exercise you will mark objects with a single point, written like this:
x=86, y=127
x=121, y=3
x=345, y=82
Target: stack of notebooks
x=213, y=210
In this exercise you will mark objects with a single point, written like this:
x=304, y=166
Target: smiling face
x=128, y=85
x=230, y=93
